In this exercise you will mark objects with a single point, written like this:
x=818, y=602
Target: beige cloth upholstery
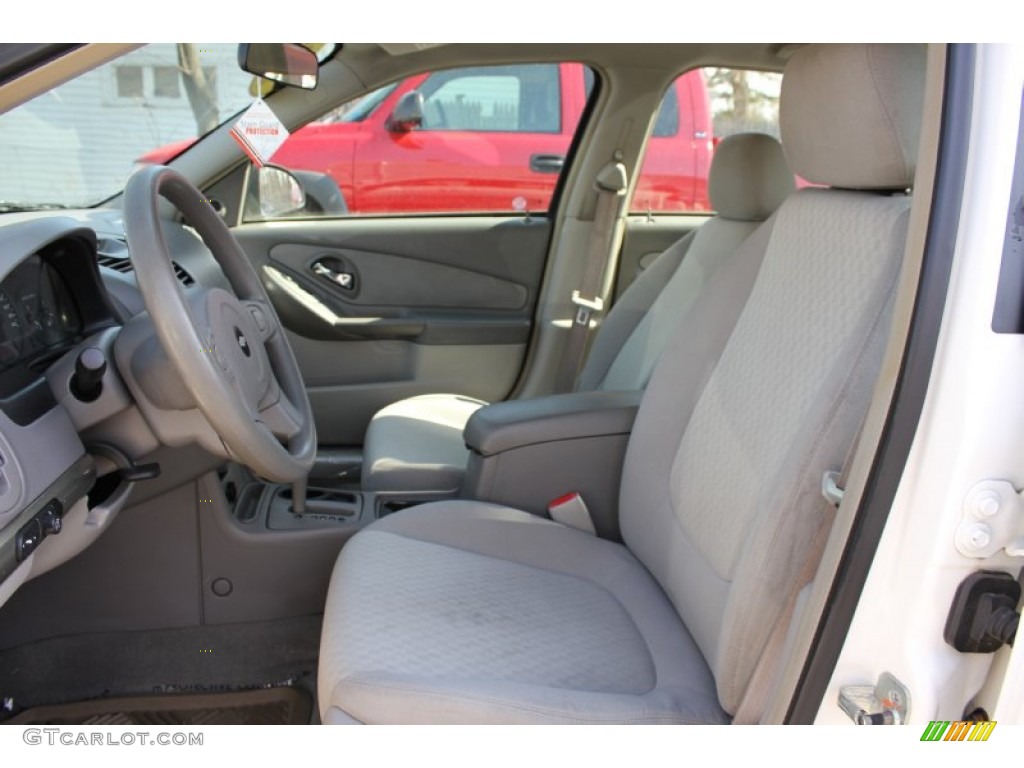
x=511, y=618
x=725, y=495
x=416, y=444
x=468, y=612
x=868, y=140
x=749, y=178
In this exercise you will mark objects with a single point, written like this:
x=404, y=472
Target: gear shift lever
x=299, y=496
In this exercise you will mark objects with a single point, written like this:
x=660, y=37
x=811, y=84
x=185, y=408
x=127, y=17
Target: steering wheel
x=229, y=349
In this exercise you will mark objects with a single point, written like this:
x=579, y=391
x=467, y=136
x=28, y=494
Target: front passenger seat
x=416, y=444
x=462, y=611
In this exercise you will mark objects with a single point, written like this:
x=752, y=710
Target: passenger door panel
x=431, y=304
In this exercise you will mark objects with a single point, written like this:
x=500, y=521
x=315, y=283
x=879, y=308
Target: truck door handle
x=339, y=277
x=547, y=163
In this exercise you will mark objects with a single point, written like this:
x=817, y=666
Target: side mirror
x=288, y=63
x=279, y=193
x=407, y=114
x=274, y=192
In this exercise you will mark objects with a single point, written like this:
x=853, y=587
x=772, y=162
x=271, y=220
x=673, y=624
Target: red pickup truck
x=489, y=139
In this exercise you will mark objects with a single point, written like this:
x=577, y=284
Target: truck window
x=359, y=110
x=523, y=99
x=698, y=110
x=667, y=121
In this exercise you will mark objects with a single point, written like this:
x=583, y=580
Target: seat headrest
x=850, y=114
x=749, y=177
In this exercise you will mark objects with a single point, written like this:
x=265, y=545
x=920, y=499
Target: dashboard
x=51, y=298
x=66, y=288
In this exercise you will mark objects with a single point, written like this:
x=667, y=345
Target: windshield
x=77, y=144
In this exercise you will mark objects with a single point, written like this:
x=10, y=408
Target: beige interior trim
x=60, y=70
x=924, y=182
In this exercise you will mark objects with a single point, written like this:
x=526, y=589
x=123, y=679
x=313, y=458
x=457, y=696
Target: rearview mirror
x=287, y=63
x=407, y=114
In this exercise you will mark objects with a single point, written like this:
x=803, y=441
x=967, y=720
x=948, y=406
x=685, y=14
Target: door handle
x=547, y=163
x=339, y=276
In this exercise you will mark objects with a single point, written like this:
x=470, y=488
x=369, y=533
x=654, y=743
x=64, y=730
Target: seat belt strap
x=611, y=186
x=762, y=681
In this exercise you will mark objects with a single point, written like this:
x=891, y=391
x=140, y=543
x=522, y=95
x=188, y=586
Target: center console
x=527, y=453
x=523, y=453
x=261, y=505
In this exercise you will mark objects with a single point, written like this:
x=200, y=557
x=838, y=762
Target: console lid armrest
x=504, y=426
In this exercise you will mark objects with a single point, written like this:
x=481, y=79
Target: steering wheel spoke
x=282, y=418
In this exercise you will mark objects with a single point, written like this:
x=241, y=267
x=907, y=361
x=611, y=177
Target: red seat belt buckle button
x=571, y=510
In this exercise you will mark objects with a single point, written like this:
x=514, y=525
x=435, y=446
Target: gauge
x=11, y=332
x=28, y=300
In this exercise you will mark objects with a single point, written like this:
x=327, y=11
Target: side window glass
x=461, y=141
x=699, y=109
x=743, y=101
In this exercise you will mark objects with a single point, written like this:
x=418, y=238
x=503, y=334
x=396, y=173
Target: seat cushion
x=463, y=611
x=416, y=444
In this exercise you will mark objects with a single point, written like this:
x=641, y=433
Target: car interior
x=450, y=487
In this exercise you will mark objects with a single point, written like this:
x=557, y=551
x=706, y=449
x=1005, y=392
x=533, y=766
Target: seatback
x=748, y=180
x=721, y=486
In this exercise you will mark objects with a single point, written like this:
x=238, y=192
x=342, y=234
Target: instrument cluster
x=37, y=313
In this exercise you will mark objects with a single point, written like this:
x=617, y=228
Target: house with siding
x=78, y=143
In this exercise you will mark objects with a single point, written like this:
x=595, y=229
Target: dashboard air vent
x=110, y=256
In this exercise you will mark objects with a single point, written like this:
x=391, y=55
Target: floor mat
x=208, y=659
x=265, y=706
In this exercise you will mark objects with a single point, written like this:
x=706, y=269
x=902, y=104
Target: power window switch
x=51, y=518
x=28, y=539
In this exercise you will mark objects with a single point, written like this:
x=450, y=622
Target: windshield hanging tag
x=258, y=131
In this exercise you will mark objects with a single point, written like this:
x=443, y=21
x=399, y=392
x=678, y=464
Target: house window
x=163, y=83
x=166, y=82
x=129, y=82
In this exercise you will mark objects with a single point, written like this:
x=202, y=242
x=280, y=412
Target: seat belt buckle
x=585, y=307
x=571, y=510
